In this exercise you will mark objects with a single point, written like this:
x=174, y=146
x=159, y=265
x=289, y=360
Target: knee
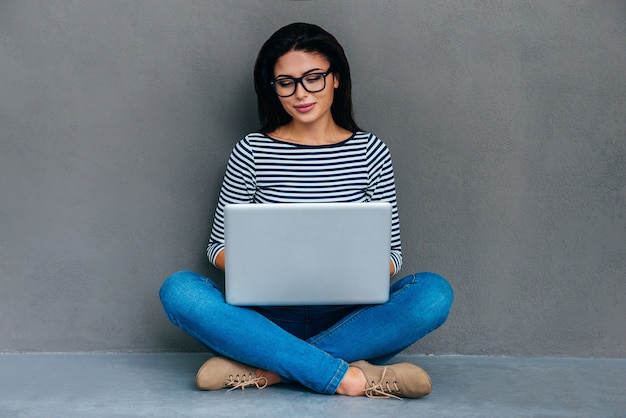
x=437, y=293
x=176, y=289
x=171, y=285
x=437, y=285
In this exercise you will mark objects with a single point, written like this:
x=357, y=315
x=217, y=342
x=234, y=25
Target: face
x=302, y=106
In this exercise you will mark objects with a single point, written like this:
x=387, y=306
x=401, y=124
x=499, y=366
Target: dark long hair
x=309, y=38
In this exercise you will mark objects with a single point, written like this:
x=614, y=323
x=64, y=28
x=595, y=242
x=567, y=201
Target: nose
x=300, y=90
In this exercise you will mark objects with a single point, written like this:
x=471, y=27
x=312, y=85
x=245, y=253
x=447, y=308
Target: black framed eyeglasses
x=313, y=82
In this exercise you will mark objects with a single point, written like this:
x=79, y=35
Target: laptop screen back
x=307, y=253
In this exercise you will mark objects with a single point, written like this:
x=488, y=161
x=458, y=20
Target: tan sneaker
x=221, y=372
x=403, y=380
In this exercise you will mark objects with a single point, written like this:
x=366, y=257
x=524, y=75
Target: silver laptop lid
x=307, y=253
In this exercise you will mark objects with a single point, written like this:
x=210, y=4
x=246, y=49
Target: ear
x=335, y=80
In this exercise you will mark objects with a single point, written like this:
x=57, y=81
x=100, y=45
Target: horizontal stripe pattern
x=265, y=170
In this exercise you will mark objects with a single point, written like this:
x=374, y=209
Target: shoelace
x=241, y=382
x=383, y=388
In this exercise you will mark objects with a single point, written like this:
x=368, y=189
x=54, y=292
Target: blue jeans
x=309, y=345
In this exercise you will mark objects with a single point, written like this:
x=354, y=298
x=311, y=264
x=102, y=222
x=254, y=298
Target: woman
x=309, y=148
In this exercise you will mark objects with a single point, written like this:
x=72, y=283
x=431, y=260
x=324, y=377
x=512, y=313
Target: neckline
x=295, y=144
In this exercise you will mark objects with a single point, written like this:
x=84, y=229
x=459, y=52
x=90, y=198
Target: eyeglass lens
x=312, y=83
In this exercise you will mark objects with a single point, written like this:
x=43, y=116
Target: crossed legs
x=418, y=304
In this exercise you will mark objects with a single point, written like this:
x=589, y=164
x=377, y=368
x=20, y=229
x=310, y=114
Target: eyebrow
x=314, y=70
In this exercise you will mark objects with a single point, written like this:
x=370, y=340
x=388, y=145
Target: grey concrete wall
x=506, y=120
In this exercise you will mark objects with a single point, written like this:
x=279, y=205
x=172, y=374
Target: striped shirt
x=265, y=170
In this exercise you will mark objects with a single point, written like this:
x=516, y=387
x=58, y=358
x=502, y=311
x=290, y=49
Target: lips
x=304, y=108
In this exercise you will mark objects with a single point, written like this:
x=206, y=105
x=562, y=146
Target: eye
x=286, y=82
x=313, y=78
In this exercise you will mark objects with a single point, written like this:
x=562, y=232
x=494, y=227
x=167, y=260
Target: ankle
x=353, y=383
x=270, y=377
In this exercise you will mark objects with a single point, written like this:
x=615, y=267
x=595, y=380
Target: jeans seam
x=337, y=378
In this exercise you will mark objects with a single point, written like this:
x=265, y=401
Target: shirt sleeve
x=382, y=188
x=238, y=186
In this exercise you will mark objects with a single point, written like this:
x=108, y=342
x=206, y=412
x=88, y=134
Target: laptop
x=282, y=254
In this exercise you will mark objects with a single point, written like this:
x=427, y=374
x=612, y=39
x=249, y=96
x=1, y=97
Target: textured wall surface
x=506, y=121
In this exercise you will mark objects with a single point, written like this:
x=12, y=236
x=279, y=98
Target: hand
x=220, y=260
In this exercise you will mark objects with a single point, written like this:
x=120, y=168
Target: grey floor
x=161, y=385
